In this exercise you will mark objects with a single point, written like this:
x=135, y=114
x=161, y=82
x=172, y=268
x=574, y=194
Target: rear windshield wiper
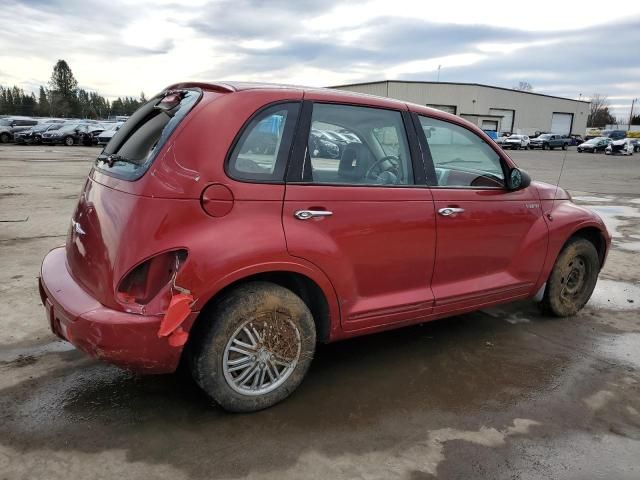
x=112, y=158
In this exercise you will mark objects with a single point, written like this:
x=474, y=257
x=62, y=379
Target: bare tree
x=599, y=114
x=524, y=87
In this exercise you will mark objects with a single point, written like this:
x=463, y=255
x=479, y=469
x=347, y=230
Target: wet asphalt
x=503, y=393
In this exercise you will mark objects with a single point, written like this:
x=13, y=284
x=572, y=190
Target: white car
x=108, y=132
x=623, y=147
x=516, y=142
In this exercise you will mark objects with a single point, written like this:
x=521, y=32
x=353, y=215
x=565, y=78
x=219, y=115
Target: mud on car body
x=193, y=242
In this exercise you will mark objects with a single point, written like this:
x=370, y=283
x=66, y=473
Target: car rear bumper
x=128, y=340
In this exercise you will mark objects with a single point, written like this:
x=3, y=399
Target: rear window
x=135, y=145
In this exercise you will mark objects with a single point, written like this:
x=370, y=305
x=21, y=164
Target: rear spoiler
x=215, y=87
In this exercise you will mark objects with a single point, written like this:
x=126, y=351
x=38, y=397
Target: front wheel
x=572, y=279
x=5, y=137
x=256, y=347
x=68, y=141
x=564, y=147
x=544, y=146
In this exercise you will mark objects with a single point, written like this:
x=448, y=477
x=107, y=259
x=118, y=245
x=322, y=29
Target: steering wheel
x=395, y=167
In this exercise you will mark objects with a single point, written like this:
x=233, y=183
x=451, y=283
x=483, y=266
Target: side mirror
x=518, y=179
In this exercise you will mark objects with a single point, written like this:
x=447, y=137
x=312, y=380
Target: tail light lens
x=144, y=281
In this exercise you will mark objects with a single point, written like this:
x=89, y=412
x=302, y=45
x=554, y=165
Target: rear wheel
x=572, y=279
x=564, y=146
x=256, y=348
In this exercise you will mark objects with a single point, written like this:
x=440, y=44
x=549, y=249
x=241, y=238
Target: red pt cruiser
x=233, y=226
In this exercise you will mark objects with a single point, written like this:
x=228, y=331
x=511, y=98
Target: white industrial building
x=491, y=108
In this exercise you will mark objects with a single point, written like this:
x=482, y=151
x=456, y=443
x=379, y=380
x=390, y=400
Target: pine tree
x=63, y=90
x=44, y=109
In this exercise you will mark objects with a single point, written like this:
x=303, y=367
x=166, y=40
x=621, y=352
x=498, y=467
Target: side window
x=262, y=150
x=460, y=157
x=358, y=146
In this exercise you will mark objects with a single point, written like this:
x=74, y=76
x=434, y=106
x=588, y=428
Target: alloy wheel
x=261, y=354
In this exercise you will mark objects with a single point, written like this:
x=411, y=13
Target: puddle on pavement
x=615, y=217
x=591, y=199
x=615, y=295
x=624, y=348
x=631, y=246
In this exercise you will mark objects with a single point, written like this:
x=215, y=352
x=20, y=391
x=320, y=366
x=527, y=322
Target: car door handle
x=307, y=214
x=448, y=211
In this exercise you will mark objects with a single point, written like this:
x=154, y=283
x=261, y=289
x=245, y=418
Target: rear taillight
x=144, y=281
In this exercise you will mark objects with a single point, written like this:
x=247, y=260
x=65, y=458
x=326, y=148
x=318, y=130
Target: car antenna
x=564, y=159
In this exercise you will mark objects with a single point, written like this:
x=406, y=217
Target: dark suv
x=10, y=126
x=614, y=134
x=549, y=141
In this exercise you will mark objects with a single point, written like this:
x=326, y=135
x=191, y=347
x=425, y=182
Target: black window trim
x=299, y=171
x=430, y=165
x=281, y=167
x=127, y=131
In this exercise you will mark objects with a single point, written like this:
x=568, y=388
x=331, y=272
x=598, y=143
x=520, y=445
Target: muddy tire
x=572, y=279
x=256, y=347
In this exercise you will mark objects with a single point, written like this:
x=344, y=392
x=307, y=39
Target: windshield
x=544, y=137
x=516, y=137
x=5, y=122
x=595, y=140
x=134, y=146
x=69, y=128
x=41, y=128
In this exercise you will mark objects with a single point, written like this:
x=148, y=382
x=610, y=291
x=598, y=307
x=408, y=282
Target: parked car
x=73, y=134
x=621, y=147
x=501, y=139
x=109, y=131
x=321, y=147
x=33, y=136
x=549, y=141
x=516, y=142
x=576, y=140
x=614, y=134
x=598, y=144
x=636, y=144
x=184, y=247
x=9, y=126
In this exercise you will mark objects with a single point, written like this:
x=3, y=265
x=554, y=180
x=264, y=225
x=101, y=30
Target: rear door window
x=135, y=145
x=262, y=150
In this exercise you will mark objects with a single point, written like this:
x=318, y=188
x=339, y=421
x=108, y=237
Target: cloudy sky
x=124, y=47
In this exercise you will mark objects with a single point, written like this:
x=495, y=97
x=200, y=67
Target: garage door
x=561, y=123
x=506, y=125
x=490, y=125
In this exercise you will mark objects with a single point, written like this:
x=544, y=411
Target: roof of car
x=320, y=93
